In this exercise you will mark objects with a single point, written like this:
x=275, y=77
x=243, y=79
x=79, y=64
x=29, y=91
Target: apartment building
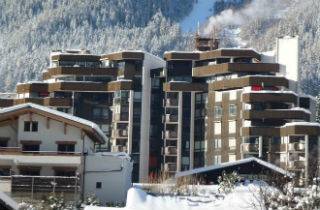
x=223, y=105
x=110, y=90
x=188, y=110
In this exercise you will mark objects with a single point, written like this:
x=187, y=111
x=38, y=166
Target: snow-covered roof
x=95, y=127
x=7, y=201
x=301, y=124
x=234, y=163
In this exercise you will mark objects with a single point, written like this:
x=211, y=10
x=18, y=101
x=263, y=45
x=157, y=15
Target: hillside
x=30, y=29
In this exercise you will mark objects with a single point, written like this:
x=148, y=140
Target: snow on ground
x=243, y=197
x=200, y=12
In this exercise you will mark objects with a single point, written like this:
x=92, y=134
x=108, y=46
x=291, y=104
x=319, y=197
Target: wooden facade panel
x=211, y=70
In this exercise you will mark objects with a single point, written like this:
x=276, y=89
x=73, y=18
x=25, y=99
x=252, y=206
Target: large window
x=31, y=147
x=217, y=128
x=217, y=143
x=4, y=141
x=232, y=126
x=66, y=147
x=64, y=172
x=232, y=110
x=218, y=96
x=217, y=159
x=217, y=111
x=30, y=126
x=232, y=143
x=232, y=157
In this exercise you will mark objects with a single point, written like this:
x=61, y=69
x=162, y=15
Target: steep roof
x=234, y=163
x=87, y=126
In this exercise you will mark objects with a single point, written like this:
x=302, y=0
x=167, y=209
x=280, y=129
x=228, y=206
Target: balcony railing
x=119, y=148
x=296, y=147
x=296, y=165
x=170, y=167
x=44, y=183
x=120, y=133
x=171, y=134
x=172, y=102
x=170, y=150
x=250, y=148
x=19, y=151
x=171, y=118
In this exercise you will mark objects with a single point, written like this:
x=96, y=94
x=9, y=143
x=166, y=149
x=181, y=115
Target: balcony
x=44, y=183
x=170, y=150
x=299, y=147
x=171, y=134
x=118, y=148
x=170, y=167
x=120, y=133
x=171, y=102
x=296, y=165
x=121, y=117
x=170, y=118
x=250, y=148
x=122, y=101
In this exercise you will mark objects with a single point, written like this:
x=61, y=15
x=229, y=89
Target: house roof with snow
x=90, y=128
x=7, y=203
x=249, y=165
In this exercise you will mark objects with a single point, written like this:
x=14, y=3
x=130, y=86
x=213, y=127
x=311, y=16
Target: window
x=283, y=158
x=232, y=157
x=98, y=185
x=30, y=126
x=232, y=126
x=217, y=143
x=217, y=128
x=66, y=147
x=217, y=159
x=232, y=143
x=218, y=96
x=64, y=172
x=217, y=111
x=232, y=110
x=232, y=95
x=4, y=142
x=30, y=171
x=27, y=126
x=61, y=109
x=31, y=147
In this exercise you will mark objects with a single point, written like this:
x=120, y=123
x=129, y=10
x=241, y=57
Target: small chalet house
x=39, y=141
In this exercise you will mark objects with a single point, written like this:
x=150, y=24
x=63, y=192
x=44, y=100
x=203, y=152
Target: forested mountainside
x=259, y=23
x=30, y=29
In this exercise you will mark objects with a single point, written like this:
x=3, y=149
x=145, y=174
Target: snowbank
x=243, y=197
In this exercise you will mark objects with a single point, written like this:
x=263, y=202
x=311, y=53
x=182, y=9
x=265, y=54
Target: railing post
x=32, y=183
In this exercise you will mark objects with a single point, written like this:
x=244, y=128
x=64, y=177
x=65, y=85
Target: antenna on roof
x=198, y=28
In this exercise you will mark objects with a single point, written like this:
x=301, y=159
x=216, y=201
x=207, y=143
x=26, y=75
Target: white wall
x=48, y=137
x=150, y=62
x=8, y=131
x=288, y=56
x=113, y=171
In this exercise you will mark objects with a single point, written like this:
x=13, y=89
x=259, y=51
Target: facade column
x=260, y=146
x=179, y=139
x=191, y=143
x=306, y=155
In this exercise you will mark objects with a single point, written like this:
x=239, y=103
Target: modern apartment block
x=224, y=105
x=111, y=90
x=188, y=110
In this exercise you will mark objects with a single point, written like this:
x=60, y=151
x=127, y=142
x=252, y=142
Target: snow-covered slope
x=200, y=12
x=243, y=197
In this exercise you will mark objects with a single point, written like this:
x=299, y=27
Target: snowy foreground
x=242, y=197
